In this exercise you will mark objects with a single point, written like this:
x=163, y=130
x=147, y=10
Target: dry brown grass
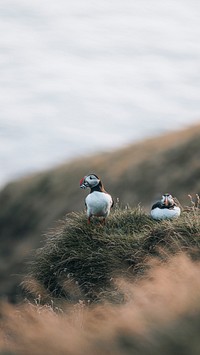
x=161, y=316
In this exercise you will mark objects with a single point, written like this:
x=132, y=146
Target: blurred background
x=79, y=77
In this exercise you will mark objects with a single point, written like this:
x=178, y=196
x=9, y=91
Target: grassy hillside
x=82, y=262
x=136, y=174
x=129, y=287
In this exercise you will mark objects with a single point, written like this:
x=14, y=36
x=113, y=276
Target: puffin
x=166, y=208
x=98, y=202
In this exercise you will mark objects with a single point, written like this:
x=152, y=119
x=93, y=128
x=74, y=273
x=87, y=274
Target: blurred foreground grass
x=161, y=315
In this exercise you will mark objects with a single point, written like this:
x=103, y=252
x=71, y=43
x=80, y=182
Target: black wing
x=157, y=205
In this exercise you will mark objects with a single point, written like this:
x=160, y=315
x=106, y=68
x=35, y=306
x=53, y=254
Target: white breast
x=98, y=204
x=165, y=213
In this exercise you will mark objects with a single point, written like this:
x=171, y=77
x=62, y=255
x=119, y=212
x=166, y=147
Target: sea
x=86, y=76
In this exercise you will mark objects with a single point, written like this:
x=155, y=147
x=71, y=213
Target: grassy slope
x=157, y=311
x=81, y=261
x=138, y=173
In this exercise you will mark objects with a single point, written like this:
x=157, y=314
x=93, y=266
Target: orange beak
x=82, y=185
x=166, y=202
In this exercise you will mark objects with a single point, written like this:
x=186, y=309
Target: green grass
x=81, y=262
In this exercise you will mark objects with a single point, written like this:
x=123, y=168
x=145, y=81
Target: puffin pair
x=99, y=202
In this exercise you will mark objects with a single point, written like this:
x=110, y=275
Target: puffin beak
x=166, y=202
x=82, y=183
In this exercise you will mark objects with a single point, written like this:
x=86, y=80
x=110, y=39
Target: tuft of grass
x=81, y=262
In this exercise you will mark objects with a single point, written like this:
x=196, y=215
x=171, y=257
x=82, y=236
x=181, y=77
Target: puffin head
x=167, y=200
x=90, y=180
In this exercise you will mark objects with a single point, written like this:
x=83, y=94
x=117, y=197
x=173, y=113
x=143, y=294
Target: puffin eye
x=90, y=177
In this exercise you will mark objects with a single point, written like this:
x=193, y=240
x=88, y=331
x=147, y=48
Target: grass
x=129, y=287
x=82, y=262
x=161, y=315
